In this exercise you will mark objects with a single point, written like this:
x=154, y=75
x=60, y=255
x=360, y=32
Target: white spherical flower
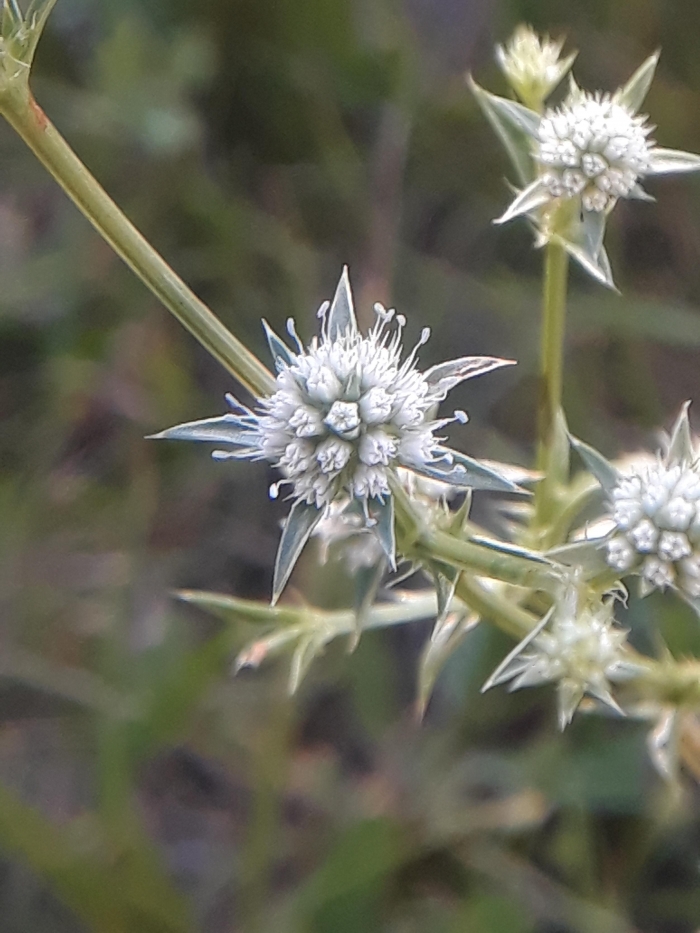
x=578, y=647
x=346, y=412
x=656, y=511
x=594, y=147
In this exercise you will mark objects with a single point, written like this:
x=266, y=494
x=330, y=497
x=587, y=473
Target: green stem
x=551, y=370
x=418, y=540
x=504, y=613
x=30, y=122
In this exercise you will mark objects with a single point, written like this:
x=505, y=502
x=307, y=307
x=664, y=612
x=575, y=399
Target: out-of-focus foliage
x=260, y=144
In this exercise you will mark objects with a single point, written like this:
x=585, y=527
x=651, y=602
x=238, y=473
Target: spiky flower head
x=579, y=647
x=575, y=161
x=532, y=64
x=595, y=148
x=347, y=411
x=655, y=508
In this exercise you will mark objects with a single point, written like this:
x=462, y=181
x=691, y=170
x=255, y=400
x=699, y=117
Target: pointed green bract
x=664, y=161
x=304, y=655
x=299, y=524
x=602, y=469
x=593, y=223
x=446, y=376
x=449, y=632
x=223, y=429
x=341, y=316
x=588, y=556
x=680, y=445
x=596, y=265
x=632, y=94
x=512, y=550
x=514, y=125
x=465, y=473
x=528, y=200
x=278, y=348
x=367, y=581
x=502, y=672
x=382, y=514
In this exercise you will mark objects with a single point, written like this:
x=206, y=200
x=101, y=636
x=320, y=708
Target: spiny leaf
x=526, y=201
x=281, y=353
x=382, y=514
x=513, y=550
x=300, y=522
x=672, y=160
x=465, y=473
x=341, y=316
x=632, y=94
x=588, y=556
x=445, y=376
x=224, y=429
x=367, y=581
x=304, y=654
x=233, y=609
x=602, y=469
x=514, y=125
x=596, y=265
x=680, y=445
x=448, y=634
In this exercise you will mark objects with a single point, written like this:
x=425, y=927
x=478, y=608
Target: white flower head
x=348, y=410
x=578, y=647
x=656, y=510
x=575, y=161
x=533, y=64
x=595, y=148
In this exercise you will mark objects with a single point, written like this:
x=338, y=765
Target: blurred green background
x=261, y=144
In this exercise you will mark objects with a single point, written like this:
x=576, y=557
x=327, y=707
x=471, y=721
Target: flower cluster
x=593, y=147
x=656, y=510
x=578, y=647
x=347, y=412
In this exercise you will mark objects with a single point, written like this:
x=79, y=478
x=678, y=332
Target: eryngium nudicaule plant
x=576, y=160
x=577, y=646
x=347, y=412
x=352, y=425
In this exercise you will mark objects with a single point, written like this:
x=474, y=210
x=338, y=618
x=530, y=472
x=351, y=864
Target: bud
x=532, y=65
x=579, y=647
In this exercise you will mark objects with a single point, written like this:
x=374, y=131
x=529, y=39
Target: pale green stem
x=505, y=614
x=551, y=368
x=26, y=117
x=416, y=539
x=406, y=607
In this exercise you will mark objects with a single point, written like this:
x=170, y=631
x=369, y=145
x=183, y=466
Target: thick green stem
x=418, y=540
x=30, y=122
x=504, y=613
x=551, y=368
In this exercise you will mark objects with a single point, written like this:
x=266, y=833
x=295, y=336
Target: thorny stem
x=28, y=119
x=551, y=367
